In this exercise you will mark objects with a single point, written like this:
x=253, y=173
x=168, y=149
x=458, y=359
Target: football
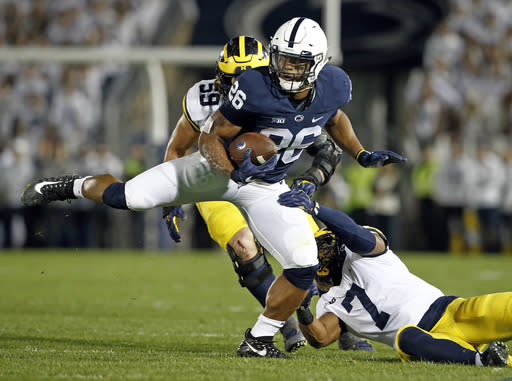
x=263, y=148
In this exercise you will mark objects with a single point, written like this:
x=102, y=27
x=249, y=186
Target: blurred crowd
x=458, y=138
x=51, y=114
x=458, y=129
x=459, y=122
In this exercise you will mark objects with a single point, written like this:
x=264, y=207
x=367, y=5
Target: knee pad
x=301, y=277
x=114, y=196
x=247, y=271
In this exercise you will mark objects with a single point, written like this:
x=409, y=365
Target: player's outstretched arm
x=341, y=130
x=319, y=332
x=357, y=238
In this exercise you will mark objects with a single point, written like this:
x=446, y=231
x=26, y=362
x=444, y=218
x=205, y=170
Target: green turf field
x=89, y=315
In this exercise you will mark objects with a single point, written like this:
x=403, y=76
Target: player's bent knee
x=407, y=340
x=301, y=277
x=253, y=272
x=244, y=245
x=114, y=196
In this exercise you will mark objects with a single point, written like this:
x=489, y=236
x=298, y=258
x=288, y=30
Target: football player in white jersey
x=369, y=291
x=225, y=223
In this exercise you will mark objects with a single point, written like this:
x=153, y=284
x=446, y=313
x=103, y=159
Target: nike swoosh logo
x=38, y=186
x=262, y=352
x=316, y=119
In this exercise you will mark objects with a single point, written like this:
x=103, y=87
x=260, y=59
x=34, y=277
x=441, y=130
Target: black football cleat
x=49, y=189
x=293, y=337
x=258, y=347
x=496, y=354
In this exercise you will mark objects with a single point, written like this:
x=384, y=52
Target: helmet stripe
x=294, y=31
x=233, y=48
x=241, y=45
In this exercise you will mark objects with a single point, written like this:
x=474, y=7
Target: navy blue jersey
x=255, y=104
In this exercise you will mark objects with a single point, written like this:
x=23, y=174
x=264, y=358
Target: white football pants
x=285, y=232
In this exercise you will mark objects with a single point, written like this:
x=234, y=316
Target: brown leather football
x=263, y=148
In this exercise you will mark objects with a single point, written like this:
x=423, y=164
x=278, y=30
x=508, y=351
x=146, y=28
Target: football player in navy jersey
x=225, y=223
x=291, y=102
x=369, y=291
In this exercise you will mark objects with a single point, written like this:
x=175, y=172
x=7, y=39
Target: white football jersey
x=378, y=296
x=200, y=102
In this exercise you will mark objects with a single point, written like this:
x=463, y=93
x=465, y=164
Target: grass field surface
x=111, y=315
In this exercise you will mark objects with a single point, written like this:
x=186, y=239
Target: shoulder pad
x=339, y=82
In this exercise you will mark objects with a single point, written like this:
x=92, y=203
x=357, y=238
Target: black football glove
x=248, y=172
x=305, y=186
x=299, y=199
x=172, y=214
x=378, y=158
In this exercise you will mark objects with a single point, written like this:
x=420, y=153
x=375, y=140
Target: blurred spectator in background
x=464, y=93
x=507, y=203
x=17, y=169
x=72, y=110
x=386, y=205
x=360, y=185
x=445, y=44
x=487, y=192
x=424, y=110
x=50, y=113
x=134, y=163
x=452, y=187
x=423, y=183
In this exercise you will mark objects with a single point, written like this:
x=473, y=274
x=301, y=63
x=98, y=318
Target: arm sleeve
x=357, y=238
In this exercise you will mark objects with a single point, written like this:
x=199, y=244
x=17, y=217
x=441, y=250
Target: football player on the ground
x=369, y=291
x=225, y=223
x=291, y=102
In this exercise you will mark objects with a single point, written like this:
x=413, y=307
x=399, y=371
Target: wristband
x=305, y=316
x=359, y=154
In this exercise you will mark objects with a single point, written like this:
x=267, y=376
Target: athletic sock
x=77, y=186
x=266, y=327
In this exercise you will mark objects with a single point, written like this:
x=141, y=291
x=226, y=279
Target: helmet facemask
x=331, y=256
x=293, y=73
